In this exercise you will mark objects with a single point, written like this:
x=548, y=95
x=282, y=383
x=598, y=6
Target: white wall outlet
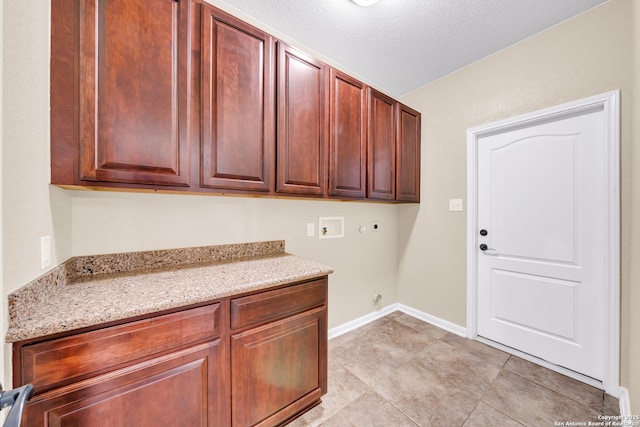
x=311, y=229
x=45, y=252
x=455, y=205
x=376, y=226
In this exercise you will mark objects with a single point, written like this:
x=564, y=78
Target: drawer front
x=277, y=304
x=61, y=361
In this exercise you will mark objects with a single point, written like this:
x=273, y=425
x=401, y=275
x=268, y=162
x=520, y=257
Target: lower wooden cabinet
x=252, y=359
x=179, y=389
x=278, y=353
x=276, y=369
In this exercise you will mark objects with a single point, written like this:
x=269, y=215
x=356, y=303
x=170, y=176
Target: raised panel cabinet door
x=408, y=155
x=381, y=149
x=348, y=136
x=303, y=124
x=238, y=122
x=134, y=91
x=179, y=389
x=278, y=370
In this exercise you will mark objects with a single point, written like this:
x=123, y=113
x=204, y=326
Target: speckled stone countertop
x=87, y=291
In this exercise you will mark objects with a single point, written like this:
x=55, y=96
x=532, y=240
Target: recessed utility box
x=331, y=227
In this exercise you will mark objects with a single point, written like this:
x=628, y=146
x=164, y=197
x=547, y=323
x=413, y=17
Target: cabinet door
x=238, y=136
x=179, y=389
x=408, y=155
x=279, y=369
x=381, y=176
x=302, y=123
x=134, y=91
x=348, y=138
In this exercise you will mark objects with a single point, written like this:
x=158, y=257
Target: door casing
x=610, y=102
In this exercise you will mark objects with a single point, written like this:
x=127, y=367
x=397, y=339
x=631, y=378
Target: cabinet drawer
x=277, y=304
x=61, y=361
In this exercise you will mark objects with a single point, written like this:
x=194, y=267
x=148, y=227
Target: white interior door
x=542, y=276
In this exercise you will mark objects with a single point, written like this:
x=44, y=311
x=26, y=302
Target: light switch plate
x=455, y=205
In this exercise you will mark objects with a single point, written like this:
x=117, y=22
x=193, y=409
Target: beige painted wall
x=363, y=262
x=30, y=208
x=584, y=56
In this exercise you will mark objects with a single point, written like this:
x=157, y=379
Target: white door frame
x=610, y=103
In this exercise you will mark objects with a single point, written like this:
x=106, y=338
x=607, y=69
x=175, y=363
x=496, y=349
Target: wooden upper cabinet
x=179, y=95
x=238, y=121
x=408, y=155
x=303, y=131
x=381, y=178
x=348, y=136
x=133, y=107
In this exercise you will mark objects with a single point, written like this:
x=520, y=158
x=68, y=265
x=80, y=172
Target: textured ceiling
x=401, y=45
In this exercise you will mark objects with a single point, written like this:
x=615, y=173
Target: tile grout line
x=557, y=392
x=480, y=399
x=596, y=400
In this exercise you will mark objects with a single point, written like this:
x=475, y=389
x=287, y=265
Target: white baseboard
x=559, y=369
x=436, y=321
x=361, y=321
x=625, y=403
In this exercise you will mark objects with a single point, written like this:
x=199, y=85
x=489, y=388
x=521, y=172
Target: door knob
x=483, y=232
x=487, y=250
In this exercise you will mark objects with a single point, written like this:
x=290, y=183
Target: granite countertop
x=87, y=291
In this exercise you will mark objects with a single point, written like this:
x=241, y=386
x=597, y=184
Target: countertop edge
x=17, y=332
x=63, y=300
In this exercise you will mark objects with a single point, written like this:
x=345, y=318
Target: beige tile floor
x=400, y=371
